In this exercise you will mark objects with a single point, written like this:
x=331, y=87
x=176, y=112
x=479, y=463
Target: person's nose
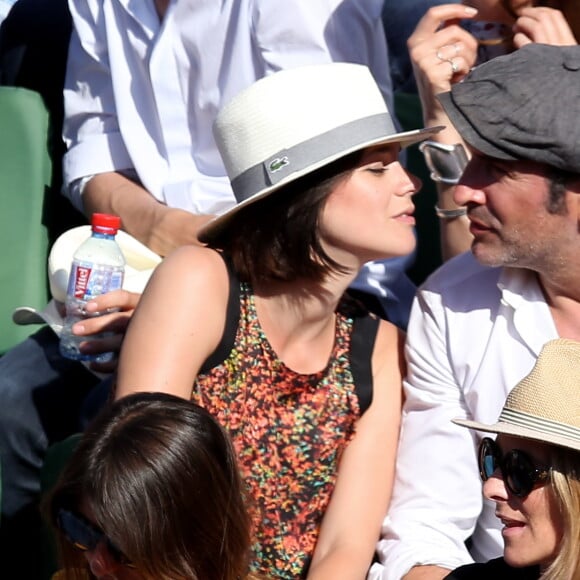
x=465, y=194
x=494, y=488
x=100, y=561
x=410, y=184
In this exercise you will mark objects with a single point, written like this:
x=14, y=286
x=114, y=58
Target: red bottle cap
x=105, y=224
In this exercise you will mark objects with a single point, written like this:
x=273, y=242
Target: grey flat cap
x=524, y=105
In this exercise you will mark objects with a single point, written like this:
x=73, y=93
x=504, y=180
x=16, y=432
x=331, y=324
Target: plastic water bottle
x=98, y=267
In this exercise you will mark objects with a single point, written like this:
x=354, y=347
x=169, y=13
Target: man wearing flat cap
x=480, y=321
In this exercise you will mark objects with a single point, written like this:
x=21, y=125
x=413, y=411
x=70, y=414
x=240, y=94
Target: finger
x=520, y=39
x=437, y=16
x=453, y=68
x=116, y=300
x=451, y=37
x=448, y=51
x=435, y=21
x=101, y=345
x=546, y=26
x=108, y=367
x=115, y=322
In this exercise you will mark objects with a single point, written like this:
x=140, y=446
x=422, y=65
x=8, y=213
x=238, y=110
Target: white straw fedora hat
x=545, y=405
x=140, y=263
x=295, y=121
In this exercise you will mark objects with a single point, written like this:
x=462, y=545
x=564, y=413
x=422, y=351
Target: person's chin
x=486, y=254
x=515, y=556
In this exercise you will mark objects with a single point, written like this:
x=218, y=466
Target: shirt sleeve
x=289, y=34
x=90, y=129
x=438, y=494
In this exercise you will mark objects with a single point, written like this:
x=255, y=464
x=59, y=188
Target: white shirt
x=5, y=6
x=354, y=32
x=134, y=83
x=474, y=333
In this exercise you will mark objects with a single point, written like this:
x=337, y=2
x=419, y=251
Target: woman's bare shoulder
x=389, y=349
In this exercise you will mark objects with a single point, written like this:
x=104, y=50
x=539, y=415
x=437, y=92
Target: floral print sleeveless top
x=289, y=430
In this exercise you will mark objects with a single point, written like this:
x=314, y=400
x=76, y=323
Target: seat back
x=57, y=457
x=25, y=175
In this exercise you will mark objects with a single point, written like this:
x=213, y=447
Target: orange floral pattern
x=289, y=431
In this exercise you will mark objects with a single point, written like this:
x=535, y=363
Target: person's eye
x=500, y=170
x=378, y=169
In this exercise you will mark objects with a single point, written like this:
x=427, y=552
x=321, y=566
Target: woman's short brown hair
x=277, y=238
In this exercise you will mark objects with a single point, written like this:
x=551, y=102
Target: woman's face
x=104, y=566
x=369, y=214
x=102, y=559
x=533, y=525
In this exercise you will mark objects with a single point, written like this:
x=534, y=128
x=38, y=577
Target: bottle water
x=98, y=267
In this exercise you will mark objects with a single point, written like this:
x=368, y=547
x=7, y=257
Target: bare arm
x=177, y=325
x=437, y=38
x=426, y=573
x=159, y=227
x=352, y=522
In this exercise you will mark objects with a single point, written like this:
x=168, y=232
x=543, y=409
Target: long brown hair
x=158, y=476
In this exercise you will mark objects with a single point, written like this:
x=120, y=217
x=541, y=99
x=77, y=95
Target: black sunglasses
x=84, y=536
x=517, y=468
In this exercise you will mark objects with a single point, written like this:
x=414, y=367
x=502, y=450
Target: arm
x=178, y=324
x=96, y=147
x=426, y=573
x=437, y=32
x=437, y=494
x=159, y=227
x=352, y=521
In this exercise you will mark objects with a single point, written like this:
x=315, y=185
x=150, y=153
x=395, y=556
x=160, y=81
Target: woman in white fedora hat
x=532, y=472
x=255, y=327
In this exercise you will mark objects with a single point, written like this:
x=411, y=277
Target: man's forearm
x=426, y=573
x=159, y=227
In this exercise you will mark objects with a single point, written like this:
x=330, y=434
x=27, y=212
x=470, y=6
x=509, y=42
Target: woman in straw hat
x=256, y=329
x=532, y=472
x=151, y=492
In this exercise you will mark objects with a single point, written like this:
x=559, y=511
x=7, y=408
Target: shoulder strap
x=226, y=344
x=362, y=344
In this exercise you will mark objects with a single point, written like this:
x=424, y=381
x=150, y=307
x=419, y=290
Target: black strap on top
x=364, y=332
x=226, y=343
x=362, y=344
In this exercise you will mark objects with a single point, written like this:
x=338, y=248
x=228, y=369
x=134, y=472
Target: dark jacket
x=495, y=569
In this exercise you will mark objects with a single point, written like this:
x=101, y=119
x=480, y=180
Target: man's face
x=507, y=204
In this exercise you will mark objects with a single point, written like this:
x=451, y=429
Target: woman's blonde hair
x=565, y=485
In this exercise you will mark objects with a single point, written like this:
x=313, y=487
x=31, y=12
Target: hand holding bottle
x=109, y=329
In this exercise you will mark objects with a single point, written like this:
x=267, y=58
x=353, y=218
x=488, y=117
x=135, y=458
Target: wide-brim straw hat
x=295, y=121
x=545, y=405
x=140, y=263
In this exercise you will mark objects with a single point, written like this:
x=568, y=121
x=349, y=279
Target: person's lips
x=406, y=215
x=478, y=227
x=511, y=525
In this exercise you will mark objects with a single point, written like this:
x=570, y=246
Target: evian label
x=88, y=280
